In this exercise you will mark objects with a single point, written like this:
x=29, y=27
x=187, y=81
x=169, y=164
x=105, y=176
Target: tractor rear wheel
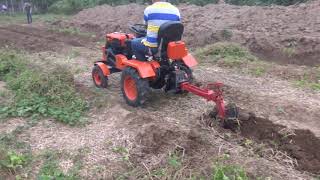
x=135, y=90
x=98, y=77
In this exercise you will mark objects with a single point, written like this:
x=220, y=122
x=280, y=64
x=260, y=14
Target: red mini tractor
x=169, y=69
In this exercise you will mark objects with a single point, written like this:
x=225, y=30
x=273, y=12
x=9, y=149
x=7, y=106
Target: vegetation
x=305, y=83
x=265, y=2
x=18, y=162
x=233, y=55
x=51, y=170
x=177, y=167
x=11, y=160
x=73, y=6
x=227, y=54
x=21, y=18
x=15, y=155
x=46, y=92
x=229, y=172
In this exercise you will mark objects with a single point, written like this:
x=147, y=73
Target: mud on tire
x=98, y=77
x=135, y=90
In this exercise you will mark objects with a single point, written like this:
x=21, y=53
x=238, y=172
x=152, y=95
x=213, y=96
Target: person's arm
x=145, y=17
x=179, y=15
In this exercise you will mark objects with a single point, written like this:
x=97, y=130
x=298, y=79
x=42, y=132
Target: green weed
x=51, y=170
x=19, y=18
x=230, y=54
x=124, y=152
x=48, y=93
x=229, y=172
x=11, y=161
x=258, y=71
x=304, y=83
x=15, y=155
x=159, y=173
x=174, y=161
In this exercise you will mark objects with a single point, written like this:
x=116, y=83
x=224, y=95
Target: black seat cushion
x=170, y=31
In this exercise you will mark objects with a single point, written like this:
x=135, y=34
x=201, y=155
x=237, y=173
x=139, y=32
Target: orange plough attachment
x=212, y=92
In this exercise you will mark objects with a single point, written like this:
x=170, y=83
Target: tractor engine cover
x=118, y=39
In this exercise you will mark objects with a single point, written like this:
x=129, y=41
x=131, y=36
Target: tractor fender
x=145, y=69
x=103, y=67
x=189, y=60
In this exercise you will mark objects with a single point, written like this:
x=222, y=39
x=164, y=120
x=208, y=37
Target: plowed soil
x=36, y=39
x=281, y=34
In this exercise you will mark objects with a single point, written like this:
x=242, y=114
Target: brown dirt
x=301, y=145
x=35, y=39
x=269, y=97
x=281, y=34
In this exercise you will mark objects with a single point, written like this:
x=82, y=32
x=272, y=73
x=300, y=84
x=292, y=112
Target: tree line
x=73, y=6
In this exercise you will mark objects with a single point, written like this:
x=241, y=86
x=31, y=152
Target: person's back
x=154, y=16
x=27, y=7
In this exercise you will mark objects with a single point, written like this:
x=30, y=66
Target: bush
x=264, y=2
x=73, y=6
x=48, y=93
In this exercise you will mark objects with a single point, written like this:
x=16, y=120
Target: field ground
x=169, y=138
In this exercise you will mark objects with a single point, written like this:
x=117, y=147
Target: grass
x=177, y=167
x=309, y=80
x=51, y=169
x=21, y=18
x=258, y=71
x=15, y=155
x=225, y=171
x=11, y=161
x=227, y=54
x=18, y=162
x=234, y=56
x=304, y=83
x=40, y=91
x=229, y=172
x=124, y=152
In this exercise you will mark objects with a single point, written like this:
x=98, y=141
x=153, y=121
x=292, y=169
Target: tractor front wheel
x=98, y=77
x=134, y=89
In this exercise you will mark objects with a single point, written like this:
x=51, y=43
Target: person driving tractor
x=155, y=15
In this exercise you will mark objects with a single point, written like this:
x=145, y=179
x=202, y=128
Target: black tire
x=142, y=87
x=98, y=77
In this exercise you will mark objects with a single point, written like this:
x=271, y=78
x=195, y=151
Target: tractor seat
x=168, y=32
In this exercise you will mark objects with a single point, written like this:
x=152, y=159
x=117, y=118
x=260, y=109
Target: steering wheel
x=139, y=29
